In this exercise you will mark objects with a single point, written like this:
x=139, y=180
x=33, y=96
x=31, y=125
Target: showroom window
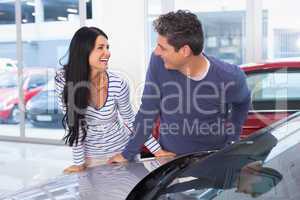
x=45, y=10
x=223, y=23
x=43, y=49
x=7, y=12
x=283, y=33
x=64, y=10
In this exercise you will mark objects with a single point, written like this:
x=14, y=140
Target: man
x=190, y=92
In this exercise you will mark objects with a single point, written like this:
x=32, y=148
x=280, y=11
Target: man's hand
x=163, y=153
x=74, y=169
x=118, y=158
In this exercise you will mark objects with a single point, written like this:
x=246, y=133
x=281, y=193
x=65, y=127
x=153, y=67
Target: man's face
x=172, y=59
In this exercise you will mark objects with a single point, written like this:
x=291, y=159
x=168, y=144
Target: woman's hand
x=162, y=153
x=74, y=169
x=118, y=158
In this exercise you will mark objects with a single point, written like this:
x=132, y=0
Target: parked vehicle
x=42, y=110
x=262, y=166
x=275, y=92
x=33, y=82
x=7, y=64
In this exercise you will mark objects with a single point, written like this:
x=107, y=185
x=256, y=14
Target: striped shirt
x=107, y=127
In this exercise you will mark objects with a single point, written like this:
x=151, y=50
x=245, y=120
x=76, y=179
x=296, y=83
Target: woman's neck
x=96, y=76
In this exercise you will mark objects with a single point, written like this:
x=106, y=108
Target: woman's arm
x=78, y=150
x=59, y=88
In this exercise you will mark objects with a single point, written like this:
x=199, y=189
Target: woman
x=91, y=98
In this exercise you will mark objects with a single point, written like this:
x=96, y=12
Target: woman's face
x=99, y=56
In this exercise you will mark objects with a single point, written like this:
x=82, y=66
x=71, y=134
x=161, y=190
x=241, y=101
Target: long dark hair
x=76, y=90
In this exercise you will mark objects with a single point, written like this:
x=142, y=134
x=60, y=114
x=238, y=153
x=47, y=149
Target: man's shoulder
x=225, y=70
x=157, y=64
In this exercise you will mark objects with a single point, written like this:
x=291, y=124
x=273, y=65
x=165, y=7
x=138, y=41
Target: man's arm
x=149, y=109
x=240, y=98
x=126, y=111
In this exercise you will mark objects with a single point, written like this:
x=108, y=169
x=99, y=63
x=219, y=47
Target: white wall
x=124, y=22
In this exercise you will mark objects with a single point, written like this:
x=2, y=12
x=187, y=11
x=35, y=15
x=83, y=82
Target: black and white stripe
x=108, y=127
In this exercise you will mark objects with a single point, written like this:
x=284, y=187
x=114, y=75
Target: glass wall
x=282, y=38
x=8, y=70
x=44, y=48
x=223, y=23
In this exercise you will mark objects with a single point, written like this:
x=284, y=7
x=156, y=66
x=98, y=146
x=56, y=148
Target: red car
x=33, y=82
x=275, y=92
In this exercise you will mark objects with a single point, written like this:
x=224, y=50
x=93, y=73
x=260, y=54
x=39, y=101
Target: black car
x=43, y=111
x=266, y=165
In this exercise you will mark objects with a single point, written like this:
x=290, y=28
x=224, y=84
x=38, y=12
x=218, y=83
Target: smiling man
x=189, y=91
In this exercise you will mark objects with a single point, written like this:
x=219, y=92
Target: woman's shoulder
x=115, y=77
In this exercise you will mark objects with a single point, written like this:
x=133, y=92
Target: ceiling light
x=62, y=18
x=29, y=3
x=33, y=14
x=72, y=10
x=24, y=20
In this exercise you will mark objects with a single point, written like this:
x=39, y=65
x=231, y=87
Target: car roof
x=272, y=65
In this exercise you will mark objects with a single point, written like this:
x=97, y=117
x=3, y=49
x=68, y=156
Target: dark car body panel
x=43, y=110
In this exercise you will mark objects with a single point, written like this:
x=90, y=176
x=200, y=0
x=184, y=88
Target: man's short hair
x=181, y=28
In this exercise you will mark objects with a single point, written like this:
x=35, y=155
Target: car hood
x=145, y=180
x=109, y=182
x=148, y=180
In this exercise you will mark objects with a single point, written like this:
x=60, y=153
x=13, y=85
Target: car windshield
x=262, y=166
x=8, y=80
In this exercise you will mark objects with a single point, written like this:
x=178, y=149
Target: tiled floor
x=22, y=165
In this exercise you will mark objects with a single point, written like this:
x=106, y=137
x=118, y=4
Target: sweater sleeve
x=127, y=114
x=240, y=98
x=148, y=111
x=59, y=87
x=78, y=150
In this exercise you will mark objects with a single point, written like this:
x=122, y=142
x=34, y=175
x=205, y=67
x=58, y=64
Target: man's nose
x=107, y=52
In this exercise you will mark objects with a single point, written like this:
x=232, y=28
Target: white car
x=7, y=64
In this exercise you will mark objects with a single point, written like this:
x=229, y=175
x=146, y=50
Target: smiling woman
x=93, y=101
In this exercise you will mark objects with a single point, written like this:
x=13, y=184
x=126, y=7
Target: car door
x=35, y=85
x=275, y=94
